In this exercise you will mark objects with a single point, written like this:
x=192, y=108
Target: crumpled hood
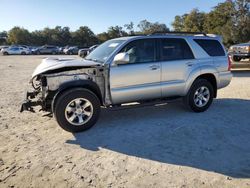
x=57, y=63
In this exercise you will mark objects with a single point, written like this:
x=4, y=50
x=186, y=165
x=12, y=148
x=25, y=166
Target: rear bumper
x=224, y=79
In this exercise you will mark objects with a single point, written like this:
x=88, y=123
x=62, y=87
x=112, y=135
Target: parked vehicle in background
x=71, y=50
x=240, y=51
x=139, y=69
x=15, y=50
x=3, y=47
x=46, y=49
x=61, y=49
x=84, y=52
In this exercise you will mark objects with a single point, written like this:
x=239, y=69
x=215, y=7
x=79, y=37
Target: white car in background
x=15, y=50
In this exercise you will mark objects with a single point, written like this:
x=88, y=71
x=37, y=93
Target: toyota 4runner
x=139, y=69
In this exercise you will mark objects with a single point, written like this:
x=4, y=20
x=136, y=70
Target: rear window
x=212, y=47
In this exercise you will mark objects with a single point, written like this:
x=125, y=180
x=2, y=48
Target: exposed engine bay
x=48, y=80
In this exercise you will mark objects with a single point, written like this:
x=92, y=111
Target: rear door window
x=212, y=47
x=175, y=49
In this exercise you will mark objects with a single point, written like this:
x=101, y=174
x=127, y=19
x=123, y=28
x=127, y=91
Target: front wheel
x=200, y=96
x=77, y=110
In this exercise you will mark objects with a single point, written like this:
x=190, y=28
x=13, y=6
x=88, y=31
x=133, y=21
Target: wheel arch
x=85, y=84
x=209, y=77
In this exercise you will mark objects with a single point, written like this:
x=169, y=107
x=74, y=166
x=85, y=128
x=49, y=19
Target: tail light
x=229, y=63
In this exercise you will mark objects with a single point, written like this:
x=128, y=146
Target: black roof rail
x=178, y=32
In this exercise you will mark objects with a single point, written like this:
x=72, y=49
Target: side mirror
x=121, y=58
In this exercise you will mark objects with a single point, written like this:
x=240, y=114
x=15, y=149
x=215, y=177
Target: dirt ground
x=163, y=146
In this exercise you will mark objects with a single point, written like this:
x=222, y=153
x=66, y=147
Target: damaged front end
x=34, y=96
x=53, y=74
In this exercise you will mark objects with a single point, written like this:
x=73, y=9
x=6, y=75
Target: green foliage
x=230, y=19
x=83, y=37
x=194, y=21
x=18, y=35
x=147, y=27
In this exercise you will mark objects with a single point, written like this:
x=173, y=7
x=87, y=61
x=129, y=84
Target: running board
x=143, y=104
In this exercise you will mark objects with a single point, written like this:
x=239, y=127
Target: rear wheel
x=23, y=53
x=77, y=110
x=5, y=53
x=200, y=96
x=38, y=53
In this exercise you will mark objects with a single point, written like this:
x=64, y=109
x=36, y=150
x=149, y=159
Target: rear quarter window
x=212, y=47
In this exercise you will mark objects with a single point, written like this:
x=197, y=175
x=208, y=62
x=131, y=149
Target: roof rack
x=178, y=32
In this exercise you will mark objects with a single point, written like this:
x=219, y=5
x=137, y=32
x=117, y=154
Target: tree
x=102, y=37
x=147, y=27
x=116, y=31
x=242, y=20
x=18, y=35
x=194, y=21
x=230, y=19
x=178, y=23
x=130, y=28
x=84, y=36
x=220, y=21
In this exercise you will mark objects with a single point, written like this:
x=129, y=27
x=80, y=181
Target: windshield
x=102, y=52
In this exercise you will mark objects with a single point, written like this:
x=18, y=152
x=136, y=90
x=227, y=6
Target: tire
x=68, y=114
x=194, y=96
x=23, y=53
x=5, y=53
x=53, y=53
x=237, y=59
x=38, y=53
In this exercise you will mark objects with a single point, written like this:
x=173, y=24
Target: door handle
x=154, y=67
x=190, y=64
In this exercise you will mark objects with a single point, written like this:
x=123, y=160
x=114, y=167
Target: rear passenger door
x=177, y=61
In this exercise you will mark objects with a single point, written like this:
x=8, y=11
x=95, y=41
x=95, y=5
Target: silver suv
x=138, y=69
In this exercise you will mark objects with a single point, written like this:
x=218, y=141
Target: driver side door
x=140, y=78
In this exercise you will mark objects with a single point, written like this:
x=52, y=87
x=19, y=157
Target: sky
x=98, y=15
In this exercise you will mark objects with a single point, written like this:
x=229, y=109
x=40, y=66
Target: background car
x=15, y=50
x=72, y=50
x=240, y=51
x=3, y=47
x=84, y=52
x=46, y=49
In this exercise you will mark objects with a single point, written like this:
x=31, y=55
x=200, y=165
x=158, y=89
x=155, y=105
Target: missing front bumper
x=30, y=102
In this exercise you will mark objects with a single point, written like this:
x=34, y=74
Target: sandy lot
x=164, y=146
